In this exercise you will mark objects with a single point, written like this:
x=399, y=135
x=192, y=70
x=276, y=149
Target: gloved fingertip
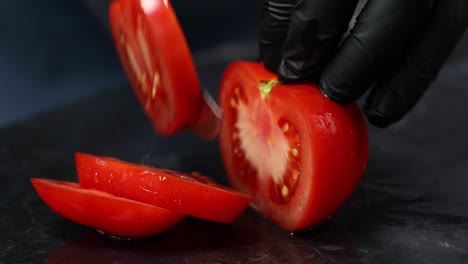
x=270, y=57
x=289, y=73
x=376, y=118
x=332, y=91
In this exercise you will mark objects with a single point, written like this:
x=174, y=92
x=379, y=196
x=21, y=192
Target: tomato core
x=266, y=147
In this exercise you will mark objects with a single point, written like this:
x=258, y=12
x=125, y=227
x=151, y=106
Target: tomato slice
x=190, y=194
x=297, y=153
x=157, y=60
x=113, y=215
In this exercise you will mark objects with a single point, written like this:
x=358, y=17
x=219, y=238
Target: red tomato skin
x=170, y=55
x=162, y=188
x=334, y=147
x=113, y=215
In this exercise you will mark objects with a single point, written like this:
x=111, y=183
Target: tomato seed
x=122, y=38
x=142, y=81
x=233, y=102
x=145, y=50
x=295, y=174
x=284, y=191
x=237, y=92
x=155, y=84
x=238, y=95
x=147, y=104
x=133, y=62
x=236, y=143
x=235, y=135
x=294, y=152
x=288, y=129
x=238, y=152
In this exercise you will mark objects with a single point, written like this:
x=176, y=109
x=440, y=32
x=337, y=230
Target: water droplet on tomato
x=96, y=177
x=162, y=178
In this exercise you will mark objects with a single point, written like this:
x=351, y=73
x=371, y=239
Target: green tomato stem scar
x=266, y=86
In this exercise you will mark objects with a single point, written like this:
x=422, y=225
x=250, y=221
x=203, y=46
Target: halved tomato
x=190, y=194
x=298, y=154
x=157, y=60
x=113, y=215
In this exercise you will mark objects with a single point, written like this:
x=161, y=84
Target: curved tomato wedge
x=192, y=194
x=110, y=214
x=157, y=60
x=299, y=154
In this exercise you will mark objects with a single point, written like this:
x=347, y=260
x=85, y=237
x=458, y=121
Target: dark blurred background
x=56, y=52
x=61, y=82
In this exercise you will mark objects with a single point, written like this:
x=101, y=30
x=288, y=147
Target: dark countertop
x=411, y=206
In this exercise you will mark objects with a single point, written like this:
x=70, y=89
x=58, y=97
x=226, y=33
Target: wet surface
x=411, y=206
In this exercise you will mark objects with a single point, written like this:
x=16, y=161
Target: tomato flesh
x=157, y=61
x=297, y=153
x=190, y=194
x=113, y=215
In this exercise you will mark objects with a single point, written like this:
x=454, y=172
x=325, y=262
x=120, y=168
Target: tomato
x=190, y=194
x=110, y=214
x=157, y=60
x=298, y=154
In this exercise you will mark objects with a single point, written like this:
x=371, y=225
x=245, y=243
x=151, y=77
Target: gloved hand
x=396, y=47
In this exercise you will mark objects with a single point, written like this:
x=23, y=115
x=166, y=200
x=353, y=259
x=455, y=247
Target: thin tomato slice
x=155, y=55
x=190, y=194
x=113, y=215
x=297, y=153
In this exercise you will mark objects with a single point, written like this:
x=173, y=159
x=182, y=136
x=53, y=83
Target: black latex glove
x=396, y=47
